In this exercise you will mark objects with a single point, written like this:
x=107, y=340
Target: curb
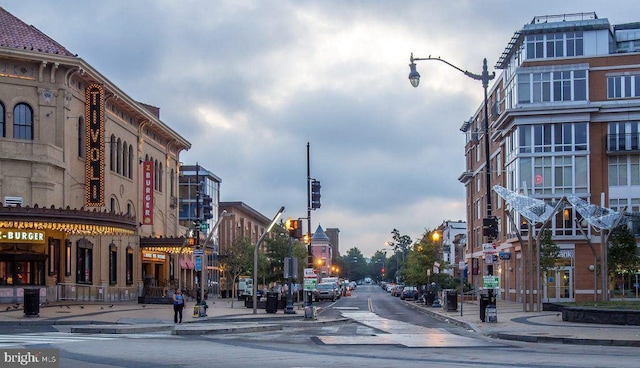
x=563, y=340
x=197, y=330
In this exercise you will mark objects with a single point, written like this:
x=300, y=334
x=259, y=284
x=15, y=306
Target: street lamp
x=484, y=77
x=435, y=236
x=255, y=259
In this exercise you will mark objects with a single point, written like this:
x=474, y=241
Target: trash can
x=272, y=303
x=32, y=302
x=452, y=301
x=484, y=302
x=429, y=297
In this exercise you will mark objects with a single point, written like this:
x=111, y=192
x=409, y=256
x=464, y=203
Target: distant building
x=334, y=238
x=322, y=251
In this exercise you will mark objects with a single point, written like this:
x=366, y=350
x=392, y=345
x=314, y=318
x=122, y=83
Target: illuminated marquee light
x=94, y=141
x=71, y=229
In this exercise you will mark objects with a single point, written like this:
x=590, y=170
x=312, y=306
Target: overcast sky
x=249, y=83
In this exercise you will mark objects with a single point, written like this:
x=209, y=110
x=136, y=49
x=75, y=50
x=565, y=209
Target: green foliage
x=277, y=249
x=238, y=260
x=354, y=266
x=549, y=252
x=623, y=252
x=420, y=261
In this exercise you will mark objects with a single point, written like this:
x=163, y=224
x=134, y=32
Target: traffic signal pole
x=309, y=251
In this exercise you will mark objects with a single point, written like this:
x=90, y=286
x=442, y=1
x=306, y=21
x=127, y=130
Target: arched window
x=118, y=156
x=81, y=138
x=160, y=175
x=172, y=187
x=155, y=174
x=125, y=159
x=23, y=122
x=130, y=160
x=112, y=153
x=3, y=128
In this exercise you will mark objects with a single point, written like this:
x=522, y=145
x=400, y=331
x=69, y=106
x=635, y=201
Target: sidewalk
x=544, y=327
x=123, y=312
x=512, y=323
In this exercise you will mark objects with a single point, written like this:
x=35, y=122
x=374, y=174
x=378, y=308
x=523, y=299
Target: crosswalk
x=399, y=333
x=24, y=340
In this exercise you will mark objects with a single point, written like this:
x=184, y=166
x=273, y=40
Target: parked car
x=396, y=291
x=409, y=292
x=325, y=290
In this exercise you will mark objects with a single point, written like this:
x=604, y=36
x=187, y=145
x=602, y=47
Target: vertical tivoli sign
x=94, y=140
x=147, y=193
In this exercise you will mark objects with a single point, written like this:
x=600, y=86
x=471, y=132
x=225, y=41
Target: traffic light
x=295, y=230
x=207, y=207
x=490, y=227
x=306, y=238
x=315, y=194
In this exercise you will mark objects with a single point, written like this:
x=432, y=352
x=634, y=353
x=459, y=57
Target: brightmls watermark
x=43, y=358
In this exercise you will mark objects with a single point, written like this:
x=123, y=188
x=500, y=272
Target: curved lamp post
x=255, y=259
x=484, y=77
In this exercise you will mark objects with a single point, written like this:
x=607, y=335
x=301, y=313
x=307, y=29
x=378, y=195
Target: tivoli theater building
x=564, y=120
x=88, y=179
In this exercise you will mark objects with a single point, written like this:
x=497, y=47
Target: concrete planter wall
x=601, y=316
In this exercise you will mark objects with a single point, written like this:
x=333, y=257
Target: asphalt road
x=387, y=334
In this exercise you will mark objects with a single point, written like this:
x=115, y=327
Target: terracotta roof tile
x=16, y=34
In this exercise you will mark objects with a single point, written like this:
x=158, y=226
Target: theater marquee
x=94, y=140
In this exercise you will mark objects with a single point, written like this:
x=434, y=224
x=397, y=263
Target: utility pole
x=197, y=225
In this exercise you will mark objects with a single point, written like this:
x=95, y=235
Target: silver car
x=325, y=290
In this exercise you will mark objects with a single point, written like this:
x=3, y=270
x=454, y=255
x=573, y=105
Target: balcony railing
x=626, y=142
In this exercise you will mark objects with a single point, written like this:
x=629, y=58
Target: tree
x=354, y=264
x=237, y=261
x=549, y=254
x=623, y=254
x=277, y=249
x=400, y=244
x=377, y=269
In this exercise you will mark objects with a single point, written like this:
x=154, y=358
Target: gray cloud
x=249, y=83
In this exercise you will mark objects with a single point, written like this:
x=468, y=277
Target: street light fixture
x=484, y=77
x=435, y=236
x=255, y=259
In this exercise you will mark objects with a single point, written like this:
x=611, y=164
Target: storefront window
x=129, y=265
x=113, y=264
x=67, y=258
x=21, y=273
x=84, y=261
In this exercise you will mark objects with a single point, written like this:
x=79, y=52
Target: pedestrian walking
x=178, y=306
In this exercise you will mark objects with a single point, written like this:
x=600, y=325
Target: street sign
x=198, y=252
x=489, y=248
x=198, y=263
x=204, y=226
x=309, y=273
x=310, y=284
x=491, y=282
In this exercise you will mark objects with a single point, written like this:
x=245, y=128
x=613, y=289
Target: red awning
x=190, y=264
x=183, y=263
